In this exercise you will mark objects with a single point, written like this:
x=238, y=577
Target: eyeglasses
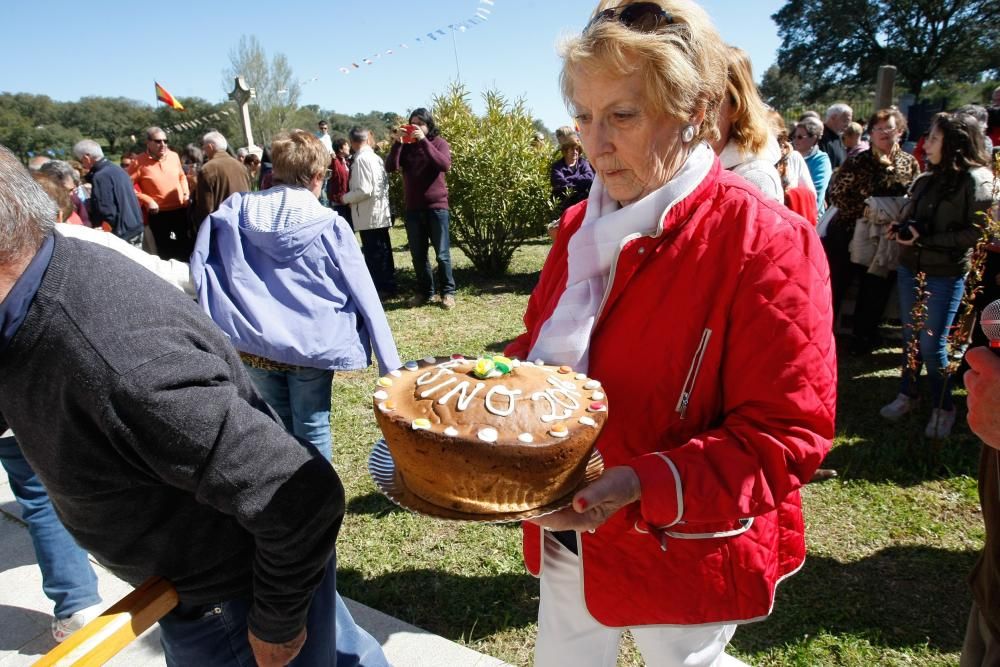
x=158, y=141
x=638, y=16
x=886, y=130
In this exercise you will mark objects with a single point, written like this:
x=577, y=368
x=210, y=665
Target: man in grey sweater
x=159, y=456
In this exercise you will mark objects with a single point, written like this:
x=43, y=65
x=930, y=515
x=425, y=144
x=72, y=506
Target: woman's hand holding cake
x=592, y=506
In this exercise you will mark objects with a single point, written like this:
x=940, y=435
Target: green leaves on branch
x=498, y=187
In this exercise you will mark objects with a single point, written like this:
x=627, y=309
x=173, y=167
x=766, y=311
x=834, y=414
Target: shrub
x=498, y=187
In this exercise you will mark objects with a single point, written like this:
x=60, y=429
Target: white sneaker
x=62, y=628
x=899, y=407
x=941, y=423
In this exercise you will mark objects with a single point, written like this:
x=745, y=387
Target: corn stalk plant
x=498, y=187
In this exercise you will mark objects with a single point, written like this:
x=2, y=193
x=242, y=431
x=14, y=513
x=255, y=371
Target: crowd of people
x=674, y=164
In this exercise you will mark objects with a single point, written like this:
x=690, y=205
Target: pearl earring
x=687, y=134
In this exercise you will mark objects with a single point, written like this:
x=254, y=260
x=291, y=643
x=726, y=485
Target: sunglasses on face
x=639, y=16
x=158, y=141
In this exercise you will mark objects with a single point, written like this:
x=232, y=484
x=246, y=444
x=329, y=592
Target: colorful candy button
x=384, y=382
x=565, y=370
x=526, y=437
x=457, y=357
x=597, y=406
x=587, y=421
x=488, y=435
x=451, y=431
x=430, y=360
x=597, y=396
x=559, y=430
x=395, y=374
x=411, y=365
x=539, y=362
x=592, y=384
x=421, y=424
x=580, y=376
x=380, y=395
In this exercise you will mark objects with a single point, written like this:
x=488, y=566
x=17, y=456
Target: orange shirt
x=160, y=181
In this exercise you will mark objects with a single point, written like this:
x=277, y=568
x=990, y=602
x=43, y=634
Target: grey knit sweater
x=158, y=454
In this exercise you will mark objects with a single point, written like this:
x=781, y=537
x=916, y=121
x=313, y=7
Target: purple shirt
x=423, y=165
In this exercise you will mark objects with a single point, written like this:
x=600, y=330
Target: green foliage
x=498, y=186
x=828, y=43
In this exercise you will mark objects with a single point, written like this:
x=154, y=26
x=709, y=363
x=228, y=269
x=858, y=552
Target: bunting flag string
x=195, y=122
x=480, y=16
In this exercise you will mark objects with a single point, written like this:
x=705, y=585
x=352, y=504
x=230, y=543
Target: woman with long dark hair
x=939, y=229
x=424, y=156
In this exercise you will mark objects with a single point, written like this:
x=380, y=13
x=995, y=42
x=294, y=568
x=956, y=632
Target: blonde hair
x=853, y=130
x=682, y=65
x=749, y=128
x=297, y=156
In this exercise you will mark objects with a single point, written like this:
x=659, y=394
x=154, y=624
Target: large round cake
x=489, y=435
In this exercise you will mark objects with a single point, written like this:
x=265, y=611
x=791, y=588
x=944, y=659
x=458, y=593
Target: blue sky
x=67, y=49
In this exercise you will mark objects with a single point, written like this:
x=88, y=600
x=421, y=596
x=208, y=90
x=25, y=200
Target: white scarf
x=607, y=226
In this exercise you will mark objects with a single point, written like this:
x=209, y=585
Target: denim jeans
x=67, y=577
x=216, y=634
x=301, y=398
x=430, y=227
x=943, y=297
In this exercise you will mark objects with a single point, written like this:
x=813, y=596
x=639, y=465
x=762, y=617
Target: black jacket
x=831, y=144
x=112, y=200
x=158, y=454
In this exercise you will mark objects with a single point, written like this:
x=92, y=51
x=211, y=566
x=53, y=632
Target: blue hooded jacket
x=284, y=278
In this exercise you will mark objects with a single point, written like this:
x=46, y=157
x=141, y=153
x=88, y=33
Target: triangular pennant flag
x=345, y=70
x=163, y=96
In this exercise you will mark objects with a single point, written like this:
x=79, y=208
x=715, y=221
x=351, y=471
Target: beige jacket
x=369, y=192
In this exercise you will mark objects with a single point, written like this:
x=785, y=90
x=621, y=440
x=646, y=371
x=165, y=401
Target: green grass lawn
x=890, y=541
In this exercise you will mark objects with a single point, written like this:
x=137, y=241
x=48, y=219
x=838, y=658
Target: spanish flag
x=163, y=96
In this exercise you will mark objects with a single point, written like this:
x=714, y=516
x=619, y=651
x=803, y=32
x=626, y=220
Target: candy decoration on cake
x=492, y=367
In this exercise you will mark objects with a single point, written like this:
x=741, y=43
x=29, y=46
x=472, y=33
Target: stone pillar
x=242, y=94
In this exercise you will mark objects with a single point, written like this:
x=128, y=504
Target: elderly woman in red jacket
x=704, y=309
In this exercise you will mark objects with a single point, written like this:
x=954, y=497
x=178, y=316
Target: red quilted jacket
x=715, y=349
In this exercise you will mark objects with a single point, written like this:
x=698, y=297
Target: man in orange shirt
x=162, y=189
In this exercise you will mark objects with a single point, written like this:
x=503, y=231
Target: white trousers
x=569, y=635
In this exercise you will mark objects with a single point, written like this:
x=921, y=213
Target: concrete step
x=25, y=613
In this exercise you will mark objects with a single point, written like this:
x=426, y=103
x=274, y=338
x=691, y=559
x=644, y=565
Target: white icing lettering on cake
x=567, y=387
x=451, y=363
x=466, y=396
x=380, y=395
x=488, y=435
x=432, y=390
x=526, y=437
x=553, y=414
x=511, y=398
x=431, y=376
x=451, y=431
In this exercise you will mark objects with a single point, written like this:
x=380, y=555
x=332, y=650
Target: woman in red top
x=703, y=308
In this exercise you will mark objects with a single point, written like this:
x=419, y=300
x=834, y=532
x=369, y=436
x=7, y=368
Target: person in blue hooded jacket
x=284, y=278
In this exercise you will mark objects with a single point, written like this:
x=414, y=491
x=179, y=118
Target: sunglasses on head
x=638, y=16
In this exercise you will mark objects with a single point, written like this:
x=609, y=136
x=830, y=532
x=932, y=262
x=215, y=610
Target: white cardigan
x=369, y=192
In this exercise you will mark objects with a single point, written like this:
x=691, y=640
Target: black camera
x=904, y=230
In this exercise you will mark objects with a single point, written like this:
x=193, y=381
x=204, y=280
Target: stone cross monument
x=242, y=94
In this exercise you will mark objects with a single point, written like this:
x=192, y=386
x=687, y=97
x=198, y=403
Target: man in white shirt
x=368, y=196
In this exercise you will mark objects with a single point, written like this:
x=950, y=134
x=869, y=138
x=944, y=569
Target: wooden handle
x=98, y=641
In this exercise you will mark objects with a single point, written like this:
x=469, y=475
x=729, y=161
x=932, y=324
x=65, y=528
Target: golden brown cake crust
x=502, y=444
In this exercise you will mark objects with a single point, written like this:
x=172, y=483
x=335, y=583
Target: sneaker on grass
x=941, y=423
x=902, y=405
